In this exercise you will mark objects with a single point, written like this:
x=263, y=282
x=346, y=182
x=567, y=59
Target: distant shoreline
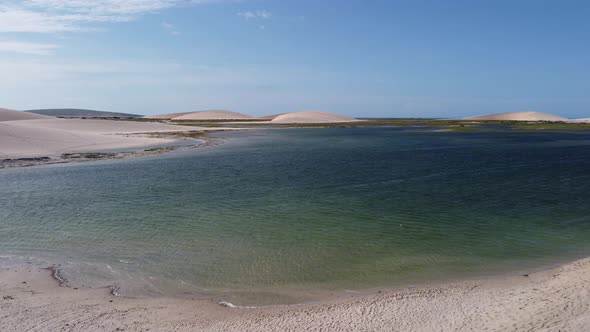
x=55, y=141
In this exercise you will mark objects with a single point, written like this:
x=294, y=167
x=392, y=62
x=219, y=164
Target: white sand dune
x=12, y=115
x=167, y=116
x=202, y=115
x=269, y=117
x=518, y=116
x=293, y=117
x=552, y=300
x=311, y=117
x=52, y=136
x=214, y=115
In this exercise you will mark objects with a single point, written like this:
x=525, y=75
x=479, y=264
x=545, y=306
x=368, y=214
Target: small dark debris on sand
x=201, y=140
x=89, y=155
x=57, y=276
x=18, y=162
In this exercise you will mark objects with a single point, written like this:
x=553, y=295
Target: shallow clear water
x=280, y=216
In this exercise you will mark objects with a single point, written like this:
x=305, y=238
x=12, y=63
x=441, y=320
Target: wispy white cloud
x=103, y=10
x=26, y=47
x=170, y=28
x=104, y=7
x=49, y=16
x=13, y=19
x=260, y=14
x=58, y=16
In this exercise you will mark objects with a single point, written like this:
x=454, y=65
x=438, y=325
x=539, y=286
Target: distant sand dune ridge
x=269, y=117
x=214, y=115
x=311, y=117
x=12, y=115
x=518, y=116
x=201, y=115
x=166, y=116
x=291, y=117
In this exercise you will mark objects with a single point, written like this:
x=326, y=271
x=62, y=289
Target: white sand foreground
x=553, y=300
x=51, y=136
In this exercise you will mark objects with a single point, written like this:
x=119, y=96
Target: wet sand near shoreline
x=550, y=300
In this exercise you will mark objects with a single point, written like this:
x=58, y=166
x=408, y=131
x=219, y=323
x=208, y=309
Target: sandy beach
x=50, y=137
x=557, y=299
x=28, y=139
x=29, y=135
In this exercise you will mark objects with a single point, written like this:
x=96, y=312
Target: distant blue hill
x=81, y=113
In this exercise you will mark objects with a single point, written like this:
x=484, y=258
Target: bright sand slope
x=552, y=300
x=311, y=117
x=201, y=115
x=213, y=115
x=12, y=115
x=51, y=136
x=518, y=116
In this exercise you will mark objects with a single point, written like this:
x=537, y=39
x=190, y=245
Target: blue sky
x=361, y=58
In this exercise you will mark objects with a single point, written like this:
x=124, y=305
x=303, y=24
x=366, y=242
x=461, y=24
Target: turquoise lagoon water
x=281, y=216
